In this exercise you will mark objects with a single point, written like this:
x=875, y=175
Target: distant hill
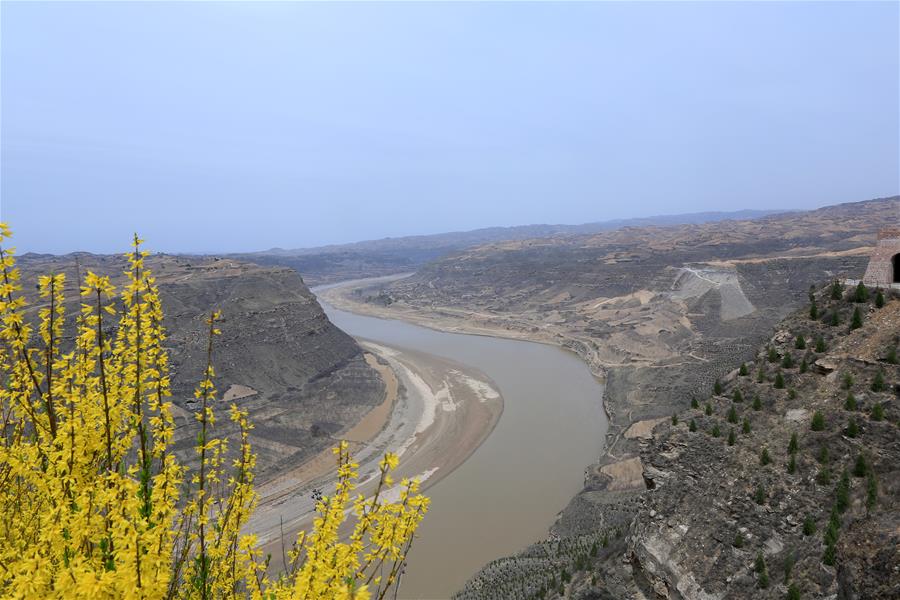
x=386, y=256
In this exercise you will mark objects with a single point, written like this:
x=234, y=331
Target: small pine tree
x=879, y=299
x=708, y=409
x=850, y=403
x=738, y=540
x=800, y=343
x=793, y=592
x=731, y=437
x=856, y=321
x=692, y=426
x=732, y=415
x=847, y=381
x=830, y=554
x=764, y=580
x=822, y=456
x=737, y=396
x=779, y=381
x=792, y=465
x=757, y=403
x=788, y=361
x=773, y=355
x=716, y=432
x=760, y=564
x=837, y=290
x=793, y=445
x=743, y=372
x=860, y=468
x=891, y=357
x=842, y=493
x=674, y=419
x=809, y=525
x=694, y=403
x=764, y=458
x=717, y=387
x=818, y=422
x=792, y=394
x=820, y=345
x=835, y=318
x=804, y=365
x=746, y=426
x=760, y=495
x=877, y=412
x=861, y=294
x=852, y=428
x=878, y=383
x=871, y=491
x=814, y=311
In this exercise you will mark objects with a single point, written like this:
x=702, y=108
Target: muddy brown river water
x=508, y=493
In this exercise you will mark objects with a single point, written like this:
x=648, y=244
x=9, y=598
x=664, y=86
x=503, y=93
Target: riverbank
x=435, y=414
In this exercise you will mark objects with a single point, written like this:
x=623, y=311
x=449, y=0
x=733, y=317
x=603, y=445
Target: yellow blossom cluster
x=94, y=503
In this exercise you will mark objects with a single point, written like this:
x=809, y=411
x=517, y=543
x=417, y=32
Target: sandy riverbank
x=435, y=415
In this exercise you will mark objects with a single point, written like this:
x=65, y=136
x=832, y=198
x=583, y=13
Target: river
x=508, y=493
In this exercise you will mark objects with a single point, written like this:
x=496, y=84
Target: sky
x=214, y=127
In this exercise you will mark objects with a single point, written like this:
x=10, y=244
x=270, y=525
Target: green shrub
x=852, y=428
x=830, y=554
x=789, y=561
x=823, y=477
x=708, y=409
x=732, y=415
x=792, y=394
x=764, y=458
x=746, y=426
x=779, y=381
x=793, y=592
x=856, y=320
x=847, y=381
x=878, y=384
x=760, y=495
x=743, y=371
x=842, y=493
x=809, y=525
x=877, y=413
x=692, y=426
x=737, y=396
x=738, y=541
x=759, y=565
x=757, y=403
x=835, y=319
x=861, y=294
x=871, y=491
x=792, y=464
x=773, y=355
x=820, y=345
x=793, y=445
x=813, y=311
x=837, y=290
x=850, y=403
x=800, y=343
x=716, y=432
x=788, y=361
x=760, y=375
x=674, y=419
x=860, y=468
x=818, y=422
x=717, y=387
x=822, y=456
x=694, y=403
x=731, y=437
x=804, y=365
x=879, y=299
x=891, y=357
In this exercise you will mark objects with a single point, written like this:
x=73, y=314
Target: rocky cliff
x=302, y=378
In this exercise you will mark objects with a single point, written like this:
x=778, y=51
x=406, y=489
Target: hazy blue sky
x=240, y=126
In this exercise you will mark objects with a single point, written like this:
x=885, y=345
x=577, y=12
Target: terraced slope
x=783, y=479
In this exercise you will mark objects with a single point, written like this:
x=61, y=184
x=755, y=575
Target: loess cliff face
x=731, y=505
x=302, y=379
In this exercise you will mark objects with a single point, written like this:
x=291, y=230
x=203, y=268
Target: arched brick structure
x=884, y=265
